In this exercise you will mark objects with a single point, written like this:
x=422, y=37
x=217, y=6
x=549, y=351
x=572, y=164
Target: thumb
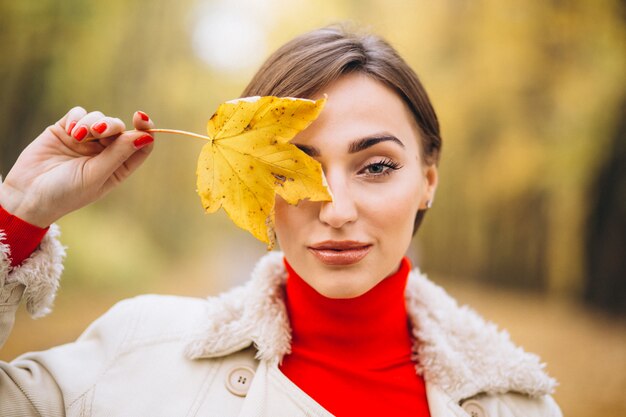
x=123, y=150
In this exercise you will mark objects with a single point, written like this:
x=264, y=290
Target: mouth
x=344, y=252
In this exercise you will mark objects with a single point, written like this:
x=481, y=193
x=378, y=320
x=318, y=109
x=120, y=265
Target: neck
x=371, y=329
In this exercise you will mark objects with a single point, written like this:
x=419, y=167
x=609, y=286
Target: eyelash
x=392, y=165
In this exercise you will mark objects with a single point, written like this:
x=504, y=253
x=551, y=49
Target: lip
x=344, y=252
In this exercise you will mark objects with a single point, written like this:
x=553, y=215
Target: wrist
x=9, y=199
x=16, y=203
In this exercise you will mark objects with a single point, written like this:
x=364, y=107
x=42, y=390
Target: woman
x=337, y=324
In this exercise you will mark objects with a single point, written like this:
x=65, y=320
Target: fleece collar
x=454, y=347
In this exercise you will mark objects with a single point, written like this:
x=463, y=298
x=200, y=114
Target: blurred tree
x=27, y=35
x=605, y=284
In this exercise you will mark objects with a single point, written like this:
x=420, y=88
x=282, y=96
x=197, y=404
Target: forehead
x=359, y=106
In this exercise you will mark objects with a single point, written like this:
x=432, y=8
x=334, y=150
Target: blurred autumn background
x=529, y=224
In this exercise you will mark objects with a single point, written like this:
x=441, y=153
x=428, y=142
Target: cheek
x=393, y=205
x=282, y=219
x=289, y=221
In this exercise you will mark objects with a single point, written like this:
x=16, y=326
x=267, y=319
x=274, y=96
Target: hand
x=72, y=163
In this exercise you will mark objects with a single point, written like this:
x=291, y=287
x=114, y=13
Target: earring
x=429, y=203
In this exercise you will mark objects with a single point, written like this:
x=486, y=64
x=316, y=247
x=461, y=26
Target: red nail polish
x=100, y=127
x=80, y=133
x=143, y=141
x=71, y=126
x=144, y=116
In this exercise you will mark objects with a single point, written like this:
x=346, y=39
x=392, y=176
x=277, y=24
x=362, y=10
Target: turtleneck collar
x=371, y=329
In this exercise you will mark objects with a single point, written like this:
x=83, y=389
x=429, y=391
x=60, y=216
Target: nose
x=343, y=208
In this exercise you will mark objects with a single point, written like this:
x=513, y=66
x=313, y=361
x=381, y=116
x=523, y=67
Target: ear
x=431, y=179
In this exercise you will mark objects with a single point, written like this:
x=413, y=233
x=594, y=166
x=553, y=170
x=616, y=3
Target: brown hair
x=305, y=65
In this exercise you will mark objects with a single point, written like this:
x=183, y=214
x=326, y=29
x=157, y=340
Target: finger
x=129, y=166
x=81, y=131
x=119, y=151
x=141, y=121
x=106, y=127
x=68, y=121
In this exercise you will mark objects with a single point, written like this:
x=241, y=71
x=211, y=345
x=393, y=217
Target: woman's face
x=368, y=144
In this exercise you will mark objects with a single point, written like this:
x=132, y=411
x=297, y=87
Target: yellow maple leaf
x=248, y=160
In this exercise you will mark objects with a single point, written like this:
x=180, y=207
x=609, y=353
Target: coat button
x=474, y=409
x=239, y=380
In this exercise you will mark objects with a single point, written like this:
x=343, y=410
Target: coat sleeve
x=36, y=280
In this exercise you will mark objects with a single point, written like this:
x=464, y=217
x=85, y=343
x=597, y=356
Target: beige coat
x=177, y=356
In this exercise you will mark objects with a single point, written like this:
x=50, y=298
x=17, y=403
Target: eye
x=383, y=167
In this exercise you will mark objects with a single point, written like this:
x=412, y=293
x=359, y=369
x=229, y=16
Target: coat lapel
x=252, y=313
x=460, y=352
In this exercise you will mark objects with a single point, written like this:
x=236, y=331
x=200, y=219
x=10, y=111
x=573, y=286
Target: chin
x=339, y=290
x=341, y=281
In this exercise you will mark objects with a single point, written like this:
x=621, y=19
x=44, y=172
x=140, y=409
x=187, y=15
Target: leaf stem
x=177, y=132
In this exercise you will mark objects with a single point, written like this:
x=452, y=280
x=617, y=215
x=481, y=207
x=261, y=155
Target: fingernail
x=71, y=126
x=80, y=133
x=143, y=141
x=144, y=116
x=100, y=127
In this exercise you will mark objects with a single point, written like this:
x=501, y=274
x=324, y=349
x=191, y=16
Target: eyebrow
x=356, y=146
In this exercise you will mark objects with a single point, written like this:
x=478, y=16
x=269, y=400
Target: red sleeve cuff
x=21, y=236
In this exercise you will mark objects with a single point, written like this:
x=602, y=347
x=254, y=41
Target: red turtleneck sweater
x=353, y=356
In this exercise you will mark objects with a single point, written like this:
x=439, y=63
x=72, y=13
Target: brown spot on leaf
x=280, y=178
